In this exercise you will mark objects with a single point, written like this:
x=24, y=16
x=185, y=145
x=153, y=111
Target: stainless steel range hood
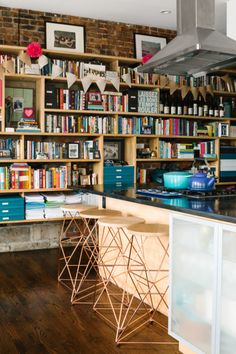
x=198, y=47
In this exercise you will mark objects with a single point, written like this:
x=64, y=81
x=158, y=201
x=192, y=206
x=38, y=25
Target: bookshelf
x=63, y=126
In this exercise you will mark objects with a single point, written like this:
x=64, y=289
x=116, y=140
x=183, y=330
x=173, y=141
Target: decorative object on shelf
x=25, y=58
x=73, y=151
x=112, y=76
x=9, y=66
x=42, y=61
x=146, y=44
x=113, y=150
x=34, y=50
x=71, y=78
x=85, y=180
x=86, y=83
x=56, y=71
x=64, y=37
x=127, y=79
x=29, y=112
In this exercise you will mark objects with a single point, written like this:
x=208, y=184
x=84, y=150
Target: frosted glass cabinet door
x=193, y=250
x=227, y=301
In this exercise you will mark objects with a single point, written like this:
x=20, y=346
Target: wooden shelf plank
x=135, y=114
x=5, y=191
x=27, y=221
x=59, y=160
x=166, y=160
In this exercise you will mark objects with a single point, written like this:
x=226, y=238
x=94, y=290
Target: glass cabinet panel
x=193, y=282
x=228, y=293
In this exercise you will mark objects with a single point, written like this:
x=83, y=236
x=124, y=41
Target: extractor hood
x=198, y=47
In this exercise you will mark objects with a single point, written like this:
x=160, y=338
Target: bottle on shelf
x=190, y=105
x=200, y=106
x=173, y=104
x=211, y=106
x=195, y=107
x=206, y=106
x=185, y=105
x=179, y=104
x=161, y=103
x=216, y=107
x=221, y=108
x=166, y=104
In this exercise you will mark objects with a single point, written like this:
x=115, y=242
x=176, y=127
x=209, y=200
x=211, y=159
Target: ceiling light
x=165, y=12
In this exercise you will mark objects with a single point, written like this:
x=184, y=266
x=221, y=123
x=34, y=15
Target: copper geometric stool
x=147, y=269
x=72, y=235
x=87, y=279
x=112, y=264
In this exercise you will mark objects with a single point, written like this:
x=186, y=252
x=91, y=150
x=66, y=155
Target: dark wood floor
x=36, y=315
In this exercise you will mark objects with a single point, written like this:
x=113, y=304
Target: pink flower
x=146, y=57
x=34, y=50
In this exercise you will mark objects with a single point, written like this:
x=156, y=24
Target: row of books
x=133, y=125
x=186, y=150
x=184, y=127
x=145, y=78
x=9, y=148
x=23, y=176
x=129, y=101
x=80, y=149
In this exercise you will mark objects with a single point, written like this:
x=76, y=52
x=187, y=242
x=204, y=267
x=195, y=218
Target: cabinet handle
x=118, y=170
x=5, y=211
x=5, y=218
x=5, y=203
x=118, y=176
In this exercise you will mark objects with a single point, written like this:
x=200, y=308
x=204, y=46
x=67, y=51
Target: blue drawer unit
x=118, y=174
x=12, y=208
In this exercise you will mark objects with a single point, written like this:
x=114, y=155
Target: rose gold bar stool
x=147, y=269
x=73, y=233
x=87, y=279
x=112, y=264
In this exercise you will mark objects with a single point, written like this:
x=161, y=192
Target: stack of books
x=28, y=124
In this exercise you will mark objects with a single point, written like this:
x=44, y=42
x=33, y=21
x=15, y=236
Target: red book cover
x=40, y=178
x=0, y=93
x=44, y=178
x=61, y=98
x=13, y=180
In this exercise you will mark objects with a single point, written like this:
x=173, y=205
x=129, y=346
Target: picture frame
x=66, y=37
x=113, y=150
x=85, y=180
x=73, y=150
x=94, y=97
x=145, y=44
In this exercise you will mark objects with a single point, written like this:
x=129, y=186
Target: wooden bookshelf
x=130, y=140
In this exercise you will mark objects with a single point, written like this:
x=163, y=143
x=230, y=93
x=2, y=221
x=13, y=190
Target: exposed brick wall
x=19, y=27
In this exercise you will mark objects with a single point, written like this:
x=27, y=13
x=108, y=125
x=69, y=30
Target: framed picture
x=85, y=180
x=145, y=44
x=94, y=97
x=113, y=150
x=64, y=37
x=73, y=151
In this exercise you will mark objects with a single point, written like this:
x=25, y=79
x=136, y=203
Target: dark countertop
x=218, y=208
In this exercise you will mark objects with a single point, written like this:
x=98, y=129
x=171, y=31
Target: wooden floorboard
x=36, y=315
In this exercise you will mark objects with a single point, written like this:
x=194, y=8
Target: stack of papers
x=34, y=206
x=73, y=198
x=53, y=204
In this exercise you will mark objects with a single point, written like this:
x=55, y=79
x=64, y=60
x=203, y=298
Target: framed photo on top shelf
x=146, y=44
x=73, y=151
x=65, y=37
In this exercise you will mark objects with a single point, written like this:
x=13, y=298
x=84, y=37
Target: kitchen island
x=202, y=279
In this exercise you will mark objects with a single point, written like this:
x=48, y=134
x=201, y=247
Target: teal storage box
x=118, y=174
x=12, y=207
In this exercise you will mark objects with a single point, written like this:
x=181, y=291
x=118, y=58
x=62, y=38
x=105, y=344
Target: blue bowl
x=177, y=180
